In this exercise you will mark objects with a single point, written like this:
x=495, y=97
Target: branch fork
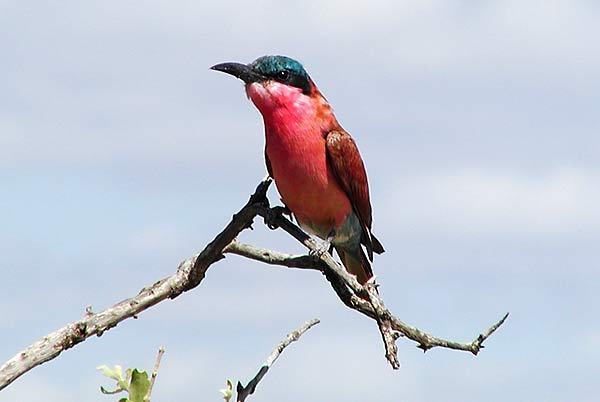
x=191, y=272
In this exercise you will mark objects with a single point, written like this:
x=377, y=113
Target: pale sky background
x=121, y=154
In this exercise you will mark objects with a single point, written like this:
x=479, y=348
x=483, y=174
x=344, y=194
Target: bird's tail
x=356, y=263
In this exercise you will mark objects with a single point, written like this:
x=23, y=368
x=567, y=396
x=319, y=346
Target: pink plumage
x=315, y=163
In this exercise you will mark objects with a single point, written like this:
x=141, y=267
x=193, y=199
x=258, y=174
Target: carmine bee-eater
x=315, y=163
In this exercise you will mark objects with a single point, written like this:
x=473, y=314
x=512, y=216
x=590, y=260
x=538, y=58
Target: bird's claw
x=274, y=213
x=371, y=281
x=321, y=249
x=372, y=284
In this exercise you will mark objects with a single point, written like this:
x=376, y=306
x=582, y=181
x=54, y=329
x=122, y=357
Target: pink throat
x=286, y=108
x=295, y=128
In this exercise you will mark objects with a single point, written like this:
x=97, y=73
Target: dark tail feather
x=356, y=263
x=377, y=247
x=371, y=244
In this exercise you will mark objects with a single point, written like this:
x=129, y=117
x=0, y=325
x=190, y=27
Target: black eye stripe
x=292, y=78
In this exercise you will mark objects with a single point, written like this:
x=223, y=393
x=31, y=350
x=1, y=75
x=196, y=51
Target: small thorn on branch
x=423, y=347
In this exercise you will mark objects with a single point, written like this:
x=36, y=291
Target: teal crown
x=283, y=69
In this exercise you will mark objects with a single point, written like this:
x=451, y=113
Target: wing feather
x=349, y=169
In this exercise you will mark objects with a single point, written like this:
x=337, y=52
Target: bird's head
x=273, y=81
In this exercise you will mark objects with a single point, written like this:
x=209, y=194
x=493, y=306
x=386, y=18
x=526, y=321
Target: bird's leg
x=323, y=246
x=274, y=213
x=372, y=281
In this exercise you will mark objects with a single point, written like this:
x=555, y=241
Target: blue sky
x=121, y=154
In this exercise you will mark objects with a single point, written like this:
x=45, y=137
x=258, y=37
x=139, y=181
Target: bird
x=315, y=163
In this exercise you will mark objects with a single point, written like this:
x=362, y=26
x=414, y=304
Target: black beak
x=241, y=71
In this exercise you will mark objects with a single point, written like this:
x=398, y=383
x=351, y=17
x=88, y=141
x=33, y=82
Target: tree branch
x=189, y=274
x=244, y=392
x=303, y=261
x=347, y=288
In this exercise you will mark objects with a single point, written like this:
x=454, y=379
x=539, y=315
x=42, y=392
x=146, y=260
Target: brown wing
x=348, y=168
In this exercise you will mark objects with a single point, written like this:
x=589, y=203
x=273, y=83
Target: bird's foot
x=322, y=248
x=273, y=214
x=371, y=283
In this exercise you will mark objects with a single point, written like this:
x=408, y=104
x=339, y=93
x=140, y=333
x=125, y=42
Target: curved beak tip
x=229, y=68
x=238, y=70
x=219, y=67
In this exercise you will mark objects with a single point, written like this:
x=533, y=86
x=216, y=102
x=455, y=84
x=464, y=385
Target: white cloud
x=474, y=202
x=509, y=38
x=105, y=94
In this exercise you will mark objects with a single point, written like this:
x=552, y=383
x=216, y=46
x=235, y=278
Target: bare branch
x=348, y=289
x=189, y=274
x=244, y=392
x=303, y=261
x=161, y=352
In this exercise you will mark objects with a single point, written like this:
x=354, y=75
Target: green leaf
x=116, y=374
x=227, y=392
x=138, y=388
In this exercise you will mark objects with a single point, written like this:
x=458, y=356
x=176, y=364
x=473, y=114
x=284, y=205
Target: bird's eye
x=283, y=75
